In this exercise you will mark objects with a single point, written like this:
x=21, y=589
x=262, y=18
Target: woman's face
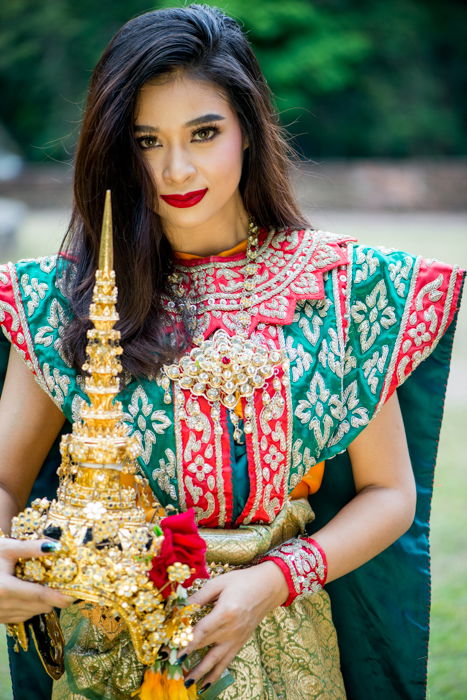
x=192, y=142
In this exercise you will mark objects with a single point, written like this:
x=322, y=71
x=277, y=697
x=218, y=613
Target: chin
x=188, y=218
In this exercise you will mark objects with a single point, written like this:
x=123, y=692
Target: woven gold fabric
x=292, y=655
x=243, y=544
x=104, y=666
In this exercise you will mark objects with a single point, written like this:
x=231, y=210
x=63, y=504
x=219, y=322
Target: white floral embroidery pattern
x=368, y=262
x=399, y=274
x=299, y=358
x=372, y=315
x=34, y=291
x=376, y=363
x=347, y=411
x=148, y=422
x=199, y=468
x=47, y=263
x=57, y=384
x=419, y=334
x=166, y=471
x=57, y=319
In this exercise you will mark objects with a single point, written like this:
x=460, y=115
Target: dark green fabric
x=389, y=597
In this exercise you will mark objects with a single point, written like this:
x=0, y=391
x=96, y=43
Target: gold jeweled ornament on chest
x=99, y=514
x=223, y=368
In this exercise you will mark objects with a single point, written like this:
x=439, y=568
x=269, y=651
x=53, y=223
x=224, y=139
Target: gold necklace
x=224, y=368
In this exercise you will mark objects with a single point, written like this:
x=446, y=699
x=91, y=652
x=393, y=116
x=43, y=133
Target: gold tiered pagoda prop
x=99, y=518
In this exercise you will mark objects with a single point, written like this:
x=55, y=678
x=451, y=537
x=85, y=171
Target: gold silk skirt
x=292, y=655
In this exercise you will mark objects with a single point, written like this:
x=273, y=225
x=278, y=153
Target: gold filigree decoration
x=105, y=544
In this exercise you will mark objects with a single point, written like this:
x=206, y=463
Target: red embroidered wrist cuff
x=304, y=565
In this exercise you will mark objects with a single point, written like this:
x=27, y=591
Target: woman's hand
x=241, y=599
x=20, y=600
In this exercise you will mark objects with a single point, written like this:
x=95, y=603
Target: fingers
x=208, y=630
x=213, y=664
x=20, y=600
x=26, y=549
x=208, y=593
x=28, y=599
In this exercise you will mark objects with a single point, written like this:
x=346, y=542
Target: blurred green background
x=375, y=95
x=351, y=77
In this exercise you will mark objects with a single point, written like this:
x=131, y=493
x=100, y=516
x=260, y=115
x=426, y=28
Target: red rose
x=181, y=543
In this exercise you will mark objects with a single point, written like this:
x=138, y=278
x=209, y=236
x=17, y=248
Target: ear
x=246, y=143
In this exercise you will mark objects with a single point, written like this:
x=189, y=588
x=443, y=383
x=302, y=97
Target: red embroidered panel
x=10, y=315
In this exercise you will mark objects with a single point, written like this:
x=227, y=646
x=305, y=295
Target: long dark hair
x=208, y=45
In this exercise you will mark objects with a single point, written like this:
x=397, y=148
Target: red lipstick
x=184, y=200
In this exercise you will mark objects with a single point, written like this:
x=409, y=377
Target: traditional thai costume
x=240, y=429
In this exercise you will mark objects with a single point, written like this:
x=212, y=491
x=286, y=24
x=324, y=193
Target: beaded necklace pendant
x=225, y=369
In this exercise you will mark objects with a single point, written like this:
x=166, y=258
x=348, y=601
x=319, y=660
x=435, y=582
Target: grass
x=436, y=235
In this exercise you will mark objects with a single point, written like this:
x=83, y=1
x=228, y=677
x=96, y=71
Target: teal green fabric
x=336, y=387
x=240, y=478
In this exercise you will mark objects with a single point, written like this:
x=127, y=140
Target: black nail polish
x=189, y=683
x=163, y=654
x=205, y=687
x=182, y=658
x=48, y=547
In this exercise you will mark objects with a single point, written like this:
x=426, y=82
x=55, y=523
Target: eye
x=146, y=142
x=206, y=133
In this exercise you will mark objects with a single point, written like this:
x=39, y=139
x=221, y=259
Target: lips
x=184, y=200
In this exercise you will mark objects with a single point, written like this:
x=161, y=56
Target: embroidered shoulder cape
x=356, y=323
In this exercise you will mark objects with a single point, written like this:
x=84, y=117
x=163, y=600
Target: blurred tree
x=47, y=53
x=351, y=77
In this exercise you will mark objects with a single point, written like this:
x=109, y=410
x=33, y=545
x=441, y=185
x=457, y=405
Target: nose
x=178, y=167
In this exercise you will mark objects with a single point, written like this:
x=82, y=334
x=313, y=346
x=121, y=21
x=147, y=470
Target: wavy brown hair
x=207, y=45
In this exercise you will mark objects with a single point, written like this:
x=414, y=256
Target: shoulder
x=27, y=290
x=33, y=313
x=399, y=307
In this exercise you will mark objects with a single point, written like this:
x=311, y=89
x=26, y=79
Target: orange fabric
x=310, y=482
x=239, y=248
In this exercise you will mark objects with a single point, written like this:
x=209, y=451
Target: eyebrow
x=193, y=122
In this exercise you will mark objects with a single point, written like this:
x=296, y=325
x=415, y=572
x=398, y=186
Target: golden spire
x=106, y=260
x=106, y=544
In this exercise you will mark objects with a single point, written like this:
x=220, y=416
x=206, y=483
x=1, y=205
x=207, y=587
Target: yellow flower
x=157, y=686
x=151, y=688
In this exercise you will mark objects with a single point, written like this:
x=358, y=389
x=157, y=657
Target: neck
x=222, y=231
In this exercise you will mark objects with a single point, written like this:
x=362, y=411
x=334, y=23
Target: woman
x=209, y=240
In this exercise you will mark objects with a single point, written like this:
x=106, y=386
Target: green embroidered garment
x=356, y=323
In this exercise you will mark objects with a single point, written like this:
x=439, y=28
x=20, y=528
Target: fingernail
x=182, y=658
x=205, y=687
x=189, y=683
x=163, y=654
x=48, y=547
